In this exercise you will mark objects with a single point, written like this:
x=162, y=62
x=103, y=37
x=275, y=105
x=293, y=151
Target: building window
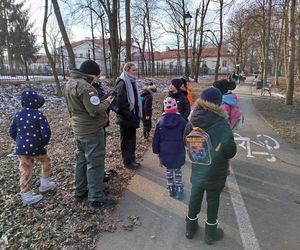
x=81, y=55
x=224, y=64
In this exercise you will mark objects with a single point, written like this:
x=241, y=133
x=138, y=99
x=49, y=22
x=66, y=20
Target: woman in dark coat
x=129, y=114
x=209, y=116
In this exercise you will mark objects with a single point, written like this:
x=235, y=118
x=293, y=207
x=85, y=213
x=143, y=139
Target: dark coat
x=168, y=140
x=125, y=117
x=147, y=99
x=211, y=118
x=30, y=128
x=183, y=104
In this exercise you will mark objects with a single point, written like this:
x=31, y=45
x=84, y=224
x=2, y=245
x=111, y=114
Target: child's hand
x=147, y=117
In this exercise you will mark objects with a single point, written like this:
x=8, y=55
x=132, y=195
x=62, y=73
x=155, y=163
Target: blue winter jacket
x=168, y=140
x=30, y=128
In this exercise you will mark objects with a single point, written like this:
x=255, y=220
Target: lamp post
x=187, y=21
x=89, y=52
x=25, y=59
x=62, y=62
x=238, y=72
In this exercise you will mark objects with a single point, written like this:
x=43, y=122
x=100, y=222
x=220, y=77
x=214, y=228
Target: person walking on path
x=230, y=103
x=147, y=99
x=88, y=117
x=168, y=144
x=129, y=114
x=211, y=178
x=183, y=104
x=31, y=132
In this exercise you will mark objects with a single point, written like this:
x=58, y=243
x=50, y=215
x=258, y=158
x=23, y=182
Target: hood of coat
x=170, y=120
x=230, y=99
x=30, y=99
x=206, y=114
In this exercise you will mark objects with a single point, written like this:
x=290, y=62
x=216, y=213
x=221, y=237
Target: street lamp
x=25, y=58
x=89, y=52
x=187, y=21
x=62, y=62
x=187, y=18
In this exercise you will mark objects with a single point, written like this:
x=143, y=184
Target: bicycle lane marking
x=265, y=142
x=245, y=227
x=246, y=230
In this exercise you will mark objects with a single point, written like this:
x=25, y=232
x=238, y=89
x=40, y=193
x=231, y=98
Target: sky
x=80, y=32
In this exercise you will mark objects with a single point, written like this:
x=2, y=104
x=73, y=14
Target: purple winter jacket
x=168, y=140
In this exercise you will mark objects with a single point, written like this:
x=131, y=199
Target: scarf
x=130, y=93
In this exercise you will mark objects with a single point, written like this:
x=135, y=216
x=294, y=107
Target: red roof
x=169, y=54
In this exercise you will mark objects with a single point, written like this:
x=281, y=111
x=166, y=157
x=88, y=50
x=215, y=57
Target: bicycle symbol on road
x=266, y=142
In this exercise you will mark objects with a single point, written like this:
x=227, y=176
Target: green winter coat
x=87, y=113
x=212, y=119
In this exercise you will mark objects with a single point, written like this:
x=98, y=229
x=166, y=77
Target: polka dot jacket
x=30, y=128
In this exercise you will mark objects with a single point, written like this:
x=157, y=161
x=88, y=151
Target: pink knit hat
x=170, y=105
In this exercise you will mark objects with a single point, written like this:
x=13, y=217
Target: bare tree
x=203, y=11
x=220, y=41
x=128, y=30
x=111, y=9
x=49, y=56
x=291, y=78
x=64, y=34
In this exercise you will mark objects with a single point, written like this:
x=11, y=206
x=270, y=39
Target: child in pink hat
x=169, y=145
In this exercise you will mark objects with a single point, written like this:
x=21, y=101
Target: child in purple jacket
x=168, y=143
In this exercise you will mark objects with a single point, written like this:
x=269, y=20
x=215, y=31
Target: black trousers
x=128, y=144
x=212, y=199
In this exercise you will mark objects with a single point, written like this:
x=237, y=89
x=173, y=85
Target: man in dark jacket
x=183, y=104
x=129, y=114
x=209, y=116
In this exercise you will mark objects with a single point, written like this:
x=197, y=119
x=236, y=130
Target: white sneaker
x=29, y=199
x=46, y=185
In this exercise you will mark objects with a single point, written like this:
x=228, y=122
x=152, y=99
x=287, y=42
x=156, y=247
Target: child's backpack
x=198, y=146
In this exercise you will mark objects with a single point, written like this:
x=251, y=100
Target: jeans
x=89, y=170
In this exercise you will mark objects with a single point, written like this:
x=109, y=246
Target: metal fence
x=39, y=70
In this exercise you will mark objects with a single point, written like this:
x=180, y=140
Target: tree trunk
x=49, y=56
x=220, y=41
x=194, y=44
x=290, y=86
x=150, y=38
x=64, y=34
x=107, y=75
x=204, y=9
x=128, y=31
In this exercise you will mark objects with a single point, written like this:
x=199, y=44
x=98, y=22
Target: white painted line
x=246, y=230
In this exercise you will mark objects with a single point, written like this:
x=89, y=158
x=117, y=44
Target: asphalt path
x=259, y=208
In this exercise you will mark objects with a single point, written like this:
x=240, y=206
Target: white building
x=172, y=59
x=83, y=50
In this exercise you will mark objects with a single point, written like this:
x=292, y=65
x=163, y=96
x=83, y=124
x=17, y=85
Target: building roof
x=174, y=54
x=98, y=42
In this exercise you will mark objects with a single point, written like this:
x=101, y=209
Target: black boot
x=191, y=227
x=212, y=233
